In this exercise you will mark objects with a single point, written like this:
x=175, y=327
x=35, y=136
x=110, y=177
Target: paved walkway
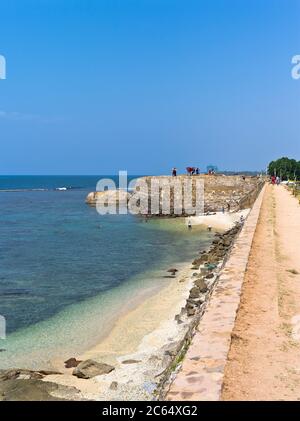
x=264, y=359
x=202, y=371
x=247, y=346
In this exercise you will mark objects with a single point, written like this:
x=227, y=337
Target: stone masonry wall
x=220, y=191
x=228, y=192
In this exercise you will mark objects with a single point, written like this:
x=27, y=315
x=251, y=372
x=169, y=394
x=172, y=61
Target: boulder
x=113, y=197
x=90, y=368
x=191, y=311
x=203, y=258
x=72, y=362
x=194, y=302
x=178, y=319
x=220, y=254
x=227, y=242
x=21, y=373
x=194, y=292
x=201, y=285
x=113, y=386
x=173, y=348
x=196, y=262
x=36, y=390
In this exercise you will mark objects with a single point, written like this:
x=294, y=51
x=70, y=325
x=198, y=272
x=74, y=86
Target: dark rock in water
x=36, y=390
x=131, y=361
x=90, y=368
x=201, y=285
x=19, y=373
x=194, y=292
x=113, y=386
x=72, y=362
x=2, y=350
x=172, y=271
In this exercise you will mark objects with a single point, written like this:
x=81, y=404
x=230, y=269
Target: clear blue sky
x=100, y=85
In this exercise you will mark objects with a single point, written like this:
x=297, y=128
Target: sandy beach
x=137, y=335
x=219, y=220
x=140, y=336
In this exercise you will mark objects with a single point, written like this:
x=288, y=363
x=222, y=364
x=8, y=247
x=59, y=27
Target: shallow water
x=66, y=272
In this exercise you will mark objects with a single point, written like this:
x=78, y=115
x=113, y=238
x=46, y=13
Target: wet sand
x=139, y=334
x=128, y=333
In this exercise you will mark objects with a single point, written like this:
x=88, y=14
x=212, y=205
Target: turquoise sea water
x=66, y=272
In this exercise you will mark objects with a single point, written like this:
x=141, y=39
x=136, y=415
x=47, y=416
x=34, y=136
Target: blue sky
x=97, y=86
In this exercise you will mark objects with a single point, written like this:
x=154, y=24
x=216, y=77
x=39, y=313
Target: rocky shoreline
x=207, y=268
x=143, y=376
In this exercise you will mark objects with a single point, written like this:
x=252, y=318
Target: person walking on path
x=174, y=172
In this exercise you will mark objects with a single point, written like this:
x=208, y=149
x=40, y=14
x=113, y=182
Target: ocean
x=66, y=272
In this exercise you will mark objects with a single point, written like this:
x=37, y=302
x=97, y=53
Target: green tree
x=285, y=168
